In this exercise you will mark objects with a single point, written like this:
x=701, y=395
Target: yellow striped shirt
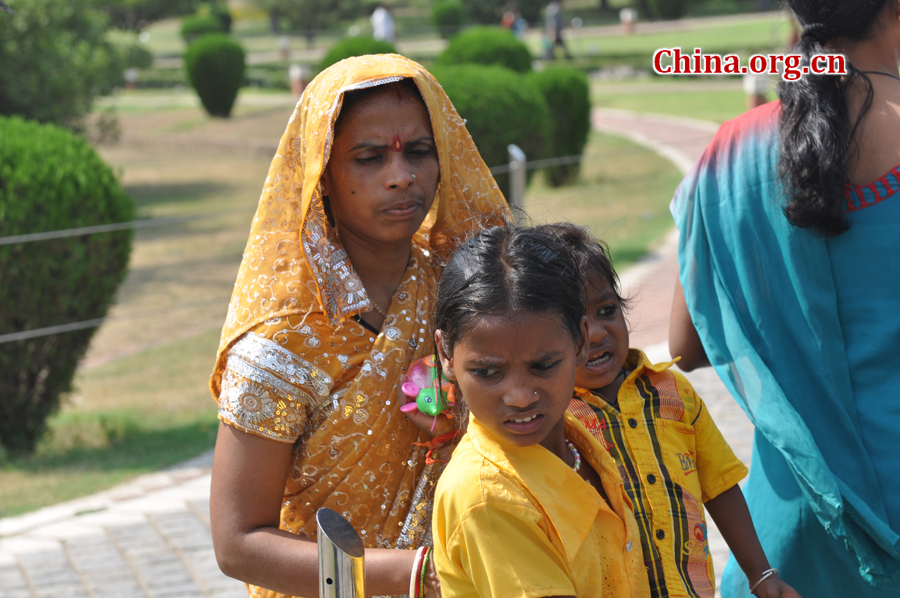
x=672, y=458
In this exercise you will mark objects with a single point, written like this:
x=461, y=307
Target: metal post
x=341, y=553
x=517, y=172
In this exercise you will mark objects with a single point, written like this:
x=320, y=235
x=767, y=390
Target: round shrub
x=448, y=16
x=215, y=68
x=220, y=12
x=136, y=56
x=51, y=179
x=569, y=99
x=487, y=45
x=500, y=107
x=194, y=26
x=355, y=46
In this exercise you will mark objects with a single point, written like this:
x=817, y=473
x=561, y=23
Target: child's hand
x=774, y=587
x=433, y=426
x=432, y=583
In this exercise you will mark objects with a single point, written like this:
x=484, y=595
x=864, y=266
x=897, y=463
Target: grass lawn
x=715, y=100
x=139, y=400
x=712, y=37
x=623, y=197
x=130, y=416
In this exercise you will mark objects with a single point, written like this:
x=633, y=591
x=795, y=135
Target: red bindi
x=396, y=146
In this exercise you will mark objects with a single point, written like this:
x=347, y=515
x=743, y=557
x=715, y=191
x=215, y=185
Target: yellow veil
x=289, y=266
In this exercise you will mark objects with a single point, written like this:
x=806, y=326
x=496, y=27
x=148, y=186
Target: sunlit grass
x=715, y=100
x=623, y=197
x=131, y=416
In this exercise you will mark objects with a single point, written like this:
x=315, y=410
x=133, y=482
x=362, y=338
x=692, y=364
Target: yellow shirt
x=672, y=459
x=517, y=521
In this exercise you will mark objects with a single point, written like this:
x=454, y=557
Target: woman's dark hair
x=591, y=255
x=817, y=136
x=353, y=98
x=503, y=270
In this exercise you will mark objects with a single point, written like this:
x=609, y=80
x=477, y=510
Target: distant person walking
x=555, y=22
x=513, y=21
x=383, y=24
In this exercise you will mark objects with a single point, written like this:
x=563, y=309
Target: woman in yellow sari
x=375, y=182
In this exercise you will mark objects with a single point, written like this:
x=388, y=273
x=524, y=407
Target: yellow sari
x=295, y=366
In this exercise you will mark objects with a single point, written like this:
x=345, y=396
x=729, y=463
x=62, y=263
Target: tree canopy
x=134, y=15
x=55, y=58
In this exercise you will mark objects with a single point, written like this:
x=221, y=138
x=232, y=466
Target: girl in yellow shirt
x=530, y=504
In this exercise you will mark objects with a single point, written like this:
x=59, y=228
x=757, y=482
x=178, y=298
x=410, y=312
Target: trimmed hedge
x=448, y=16
x=500, y=107
x=51, y=179
x=355, y=46
x=194, y=26
x=488, y=46
x=215, y=67
x=569, y=99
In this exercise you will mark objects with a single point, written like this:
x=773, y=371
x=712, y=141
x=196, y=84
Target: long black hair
x=591, y=255
x=817, y=136
x=503, y=270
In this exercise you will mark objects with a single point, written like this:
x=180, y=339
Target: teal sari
x=805, y=333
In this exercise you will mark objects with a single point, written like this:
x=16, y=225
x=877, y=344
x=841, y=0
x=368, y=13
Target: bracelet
x=415, y=578
x=765, y=575
x=424, y=571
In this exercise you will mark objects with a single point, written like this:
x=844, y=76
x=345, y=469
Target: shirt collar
x=570, y=503
x=637, y=362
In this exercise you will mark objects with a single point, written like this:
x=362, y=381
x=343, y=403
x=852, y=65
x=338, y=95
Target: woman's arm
x=248, y=479
x=729, y=511
x=683, y=337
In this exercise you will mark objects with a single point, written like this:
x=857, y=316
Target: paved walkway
x=150, y=538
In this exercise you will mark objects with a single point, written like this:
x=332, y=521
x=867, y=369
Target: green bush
x=448, y=16
x=219, y=12
x=569, y=99
x=134, y=15
x=136, y=56
x=55, y=58
x=355, y=46
x=194, y=26
x=51, y=179
x=500, y=107
x=215, y=67
x=488, y=46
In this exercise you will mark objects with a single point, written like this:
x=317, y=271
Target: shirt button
x=632, y=422
x=651, y=479
x=660, y=534
x=628, y=546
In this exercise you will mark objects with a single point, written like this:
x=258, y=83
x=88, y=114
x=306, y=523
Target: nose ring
x=535, y=393
x=413, y=175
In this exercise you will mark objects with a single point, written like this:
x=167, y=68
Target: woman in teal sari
x=789, y=257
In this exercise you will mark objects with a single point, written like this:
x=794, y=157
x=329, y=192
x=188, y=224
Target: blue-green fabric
x=786, y=318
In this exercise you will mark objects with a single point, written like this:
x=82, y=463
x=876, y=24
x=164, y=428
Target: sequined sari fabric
x=295, y=366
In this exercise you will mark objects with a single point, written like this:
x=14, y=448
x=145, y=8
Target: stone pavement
x=150, y=538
